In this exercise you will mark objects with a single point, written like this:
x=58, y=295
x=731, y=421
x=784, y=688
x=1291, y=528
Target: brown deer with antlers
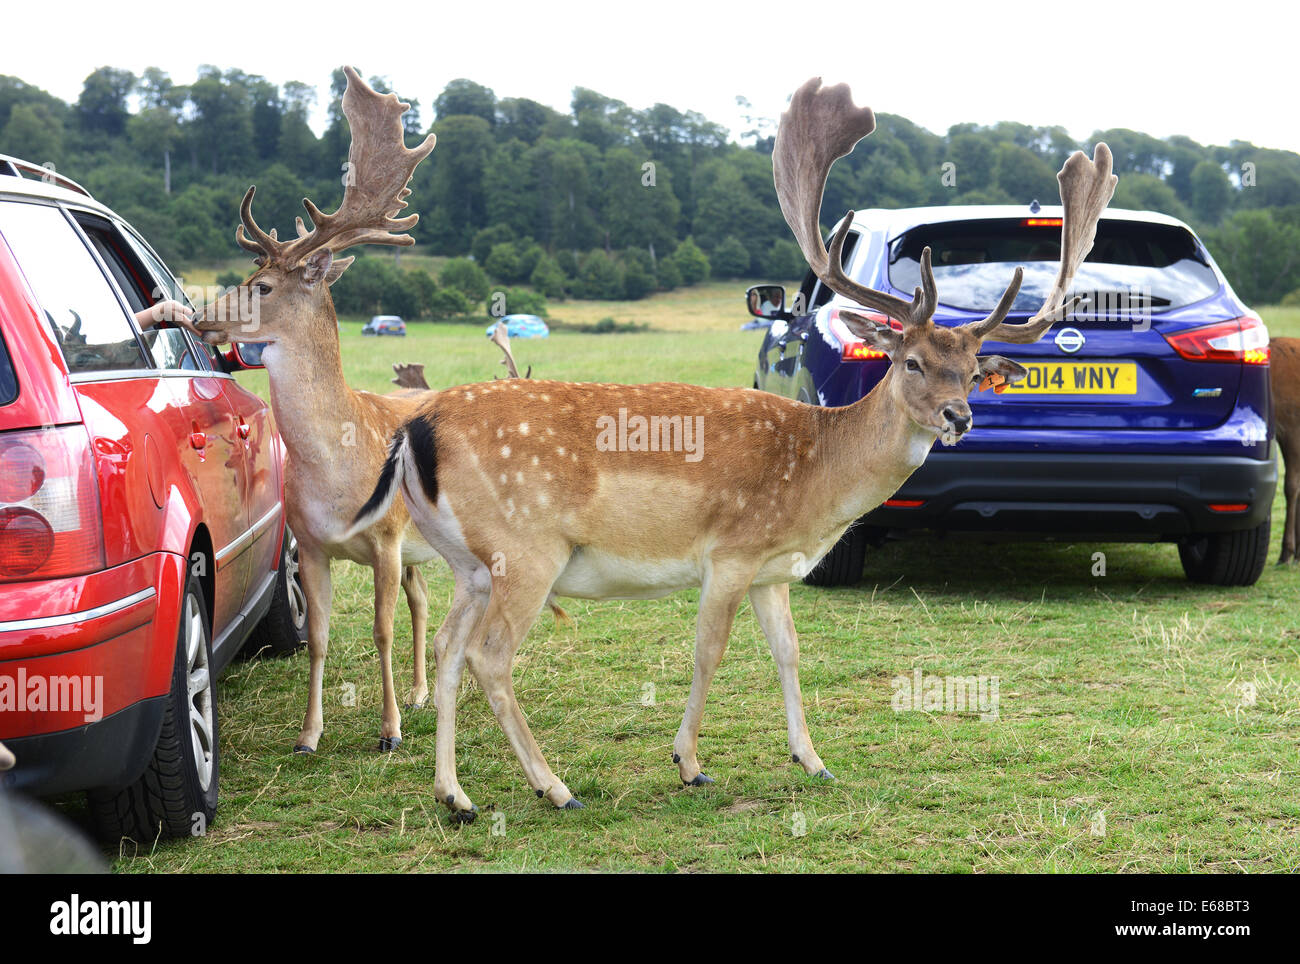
x=529, y=488
x=335, y=437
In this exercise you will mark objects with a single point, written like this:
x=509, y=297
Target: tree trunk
x=167, y=172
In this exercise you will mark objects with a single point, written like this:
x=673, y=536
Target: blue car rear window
x=974, y=260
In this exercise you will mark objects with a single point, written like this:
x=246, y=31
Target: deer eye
x=262, y=289
x=912, y=366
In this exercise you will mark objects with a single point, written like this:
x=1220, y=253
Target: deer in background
x=526, y=489
x=336, y=438
x=1284, y=362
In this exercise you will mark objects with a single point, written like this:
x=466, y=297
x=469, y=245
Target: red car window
x=88, y=321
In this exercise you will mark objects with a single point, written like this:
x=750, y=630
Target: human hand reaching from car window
x=164, y=311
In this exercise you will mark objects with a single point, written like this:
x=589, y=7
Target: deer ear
x=317, y=266
x=999, y=372
x=874, y=333
x=337, y=268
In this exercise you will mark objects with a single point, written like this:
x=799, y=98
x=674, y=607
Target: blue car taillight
x=1243, y=340
x=853, y=348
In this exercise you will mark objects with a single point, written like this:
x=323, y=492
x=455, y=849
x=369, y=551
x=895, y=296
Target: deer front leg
x=417, y=598
x=314, y=570
x=719, y=599
x=772, y=609
x=388, y=578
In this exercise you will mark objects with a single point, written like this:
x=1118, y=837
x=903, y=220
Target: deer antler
x=501, y=338
x=821, y=126
x=409, y=375
x=379, y=167
x=1086, y=188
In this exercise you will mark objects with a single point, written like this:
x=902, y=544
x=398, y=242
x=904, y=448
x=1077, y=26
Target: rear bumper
x=82, y=660
x=109, y=753
x=1107, y=496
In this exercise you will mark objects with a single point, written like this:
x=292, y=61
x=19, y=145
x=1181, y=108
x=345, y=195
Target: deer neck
x=312, y=403
x=874, y=446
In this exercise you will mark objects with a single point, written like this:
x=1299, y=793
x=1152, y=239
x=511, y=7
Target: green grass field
x=1144, y=724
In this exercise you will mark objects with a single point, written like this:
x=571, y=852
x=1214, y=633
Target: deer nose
x=959, y=422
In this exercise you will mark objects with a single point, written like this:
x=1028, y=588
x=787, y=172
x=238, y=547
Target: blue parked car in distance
x=521, y=326
x=1145, y=416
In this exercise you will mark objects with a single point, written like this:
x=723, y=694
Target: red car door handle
x=198, y=440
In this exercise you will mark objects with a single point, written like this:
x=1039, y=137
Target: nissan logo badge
x=1069, y=340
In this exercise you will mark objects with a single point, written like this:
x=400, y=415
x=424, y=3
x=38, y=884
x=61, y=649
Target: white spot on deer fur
x=469, y=396
x=501, y=433
x=549, y=476
x=560, y=450
x=768, y=425
x=543, y=499
x=523, y=426
x=534, y=460
x=519, y=477
x=574, y=456
x=510, y=508
x=503, y=478
x=550, y=431
x=505, y=451
x=546, y=398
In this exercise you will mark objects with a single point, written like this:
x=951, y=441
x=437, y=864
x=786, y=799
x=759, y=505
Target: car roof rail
x=16, y=167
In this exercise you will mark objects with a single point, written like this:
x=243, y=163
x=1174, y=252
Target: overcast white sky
x=1214, y=73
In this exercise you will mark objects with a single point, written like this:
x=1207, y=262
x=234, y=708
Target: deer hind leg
x=1291, y=486
x=463, y=623
x=314, y=570
x=417, y=598
x=772, y=609
x=516, y=603
x=388, y=580
x=720, y=597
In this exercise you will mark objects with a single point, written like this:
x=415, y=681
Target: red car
x=142, y=535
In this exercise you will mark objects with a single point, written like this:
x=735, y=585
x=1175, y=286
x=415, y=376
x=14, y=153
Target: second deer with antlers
x=636, y=491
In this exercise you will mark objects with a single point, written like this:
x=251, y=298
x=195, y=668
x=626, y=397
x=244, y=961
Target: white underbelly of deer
x=595, y=574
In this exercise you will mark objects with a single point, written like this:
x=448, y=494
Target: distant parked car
x=521, y=326
x=1144, y=419
x=384, y=325
x=142, y=534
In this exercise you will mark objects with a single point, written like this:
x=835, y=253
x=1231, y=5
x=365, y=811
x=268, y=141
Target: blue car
x=1144, y=417
x=521, y=326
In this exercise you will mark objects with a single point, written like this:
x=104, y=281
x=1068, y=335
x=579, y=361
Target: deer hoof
x=700, y=780
x=387, y=744
x=824, y=774
x=573, y=804
x=304, y=748
x=465, y=816
x=415, y=706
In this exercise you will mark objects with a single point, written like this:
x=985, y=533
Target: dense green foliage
x=605, y=200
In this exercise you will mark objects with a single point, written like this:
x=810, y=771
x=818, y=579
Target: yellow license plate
x=1077, y=378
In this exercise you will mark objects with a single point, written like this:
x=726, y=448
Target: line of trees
x=604, y=200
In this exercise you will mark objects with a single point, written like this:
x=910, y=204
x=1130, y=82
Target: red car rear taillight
x=1243, y=340
x=50, y=523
